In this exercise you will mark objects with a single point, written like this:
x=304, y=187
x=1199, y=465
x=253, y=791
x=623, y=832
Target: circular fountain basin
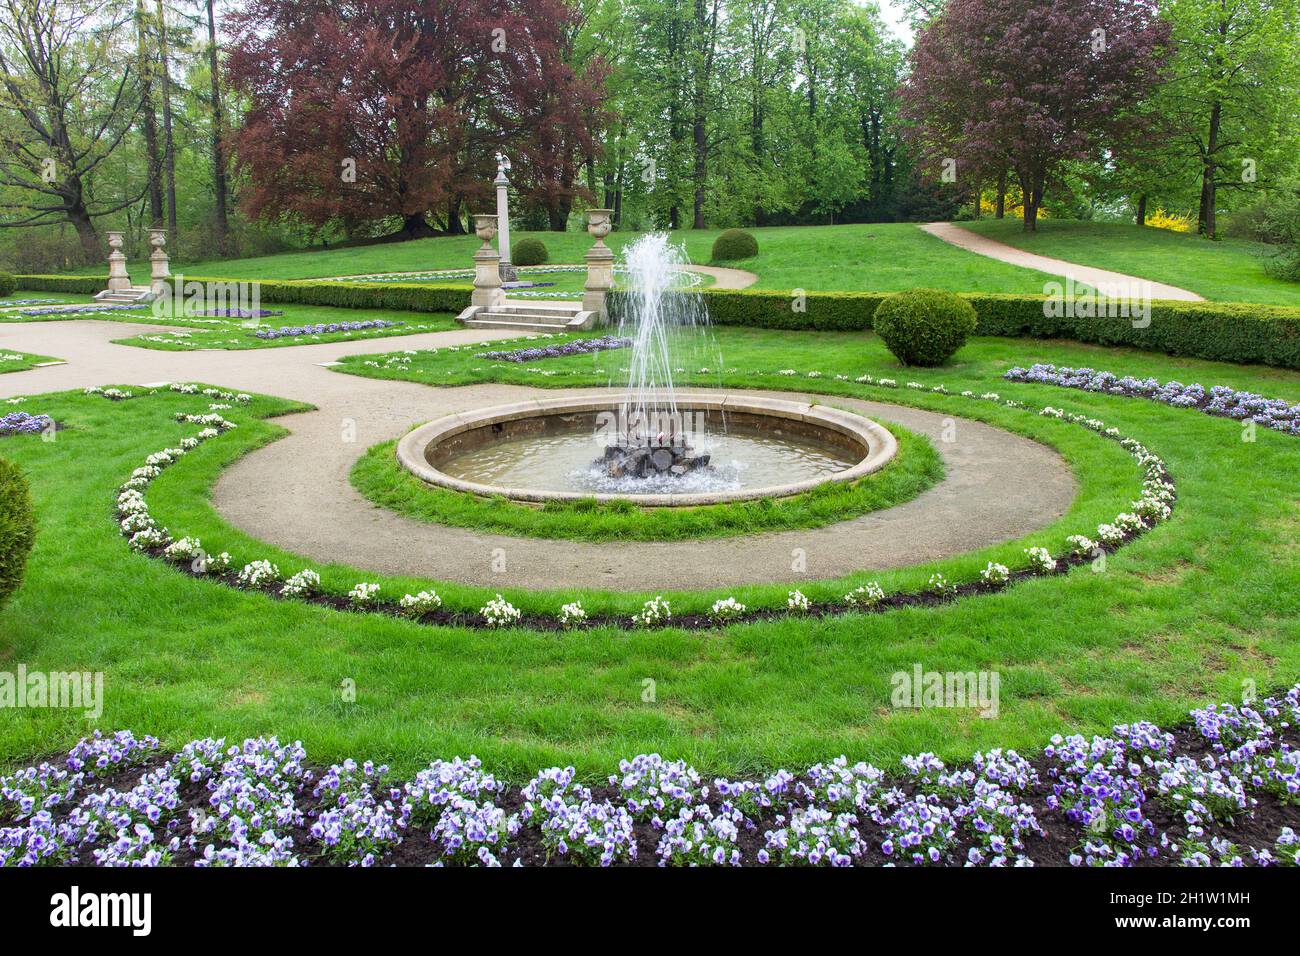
x=539, y=451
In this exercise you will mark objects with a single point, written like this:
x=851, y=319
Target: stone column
x=502, y=184
x=118, y=280
x=487, y=265
x=159, y=269
x=600, y=264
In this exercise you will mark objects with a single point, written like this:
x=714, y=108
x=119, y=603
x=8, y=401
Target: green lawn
x=1179, y=617
x=1227, y=270
x=22, y=361
x=876, y=257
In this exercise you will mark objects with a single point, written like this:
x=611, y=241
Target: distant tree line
x=248, y=125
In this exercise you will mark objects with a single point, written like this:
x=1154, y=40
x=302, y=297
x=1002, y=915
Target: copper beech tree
x=392, y=111
x=1027, y=85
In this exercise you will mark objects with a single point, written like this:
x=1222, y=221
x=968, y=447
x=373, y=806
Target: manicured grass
x=1228, y=270
x=873, y=257
x=1181, y=616
x=199, y=332
x=22, y=361
x=379, y=477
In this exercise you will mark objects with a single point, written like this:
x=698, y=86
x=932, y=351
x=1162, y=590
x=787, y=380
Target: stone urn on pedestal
x=600, y=263
x=487, y=264
x=118, y=280
x=159, y=266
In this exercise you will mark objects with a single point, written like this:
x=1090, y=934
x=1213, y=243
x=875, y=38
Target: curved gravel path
x=295, y=492
x=1087, y=275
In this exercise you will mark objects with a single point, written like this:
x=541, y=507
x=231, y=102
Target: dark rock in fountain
x=623, y=461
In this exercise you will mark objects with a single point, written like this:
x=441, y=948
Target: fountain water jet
x=665, y=327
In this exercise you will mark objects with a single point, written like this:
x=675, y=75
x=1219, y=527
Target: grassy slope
x=876, y=257
x=1227, y=270
x=1181, y=616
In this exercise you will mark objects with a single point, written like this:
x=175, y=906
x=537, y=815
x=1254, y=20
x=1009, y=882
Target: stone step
x=518, y=323
x=559, y=319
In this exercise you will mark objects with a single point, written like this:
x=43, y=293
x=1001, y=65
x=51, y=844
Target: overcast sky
x=892, y=12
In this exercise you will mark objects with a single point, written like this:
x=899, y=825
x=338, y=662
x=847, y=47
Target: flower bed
x=1217, y=400
x=294, y=331
x=1153, y=506
x=1221, y=789
x=21, y=423
x=574, y=347
x=81, y=310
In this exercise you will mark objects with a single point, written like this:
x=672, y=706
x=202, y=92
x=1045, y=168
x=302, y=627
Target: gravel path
x=295, y=492
x=1087, y=275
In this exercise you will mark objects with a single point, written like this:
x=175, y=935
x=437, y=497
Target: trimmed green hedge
x=399, y=296
x=71, y=285
x=7, y=284
x=17, y=528
x=1218, y=331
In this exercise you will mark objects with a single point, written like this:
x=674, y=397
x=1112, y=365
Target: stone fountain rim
x=880, y=445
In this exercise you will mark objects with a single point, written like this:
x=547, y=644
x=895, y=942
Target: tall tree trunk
x=169, y=146
x=220, y=189
x=1209, y=173
x=90, y=248
x=1141, y=217
x=1001, y=210
x=148, y=116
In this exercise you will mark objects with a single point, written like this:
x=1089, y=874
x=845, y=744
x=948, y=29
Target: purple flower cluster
x=1137, y=794
x=574, y=347
x=297, y=331
x=20, y=423
x=241, y=313
x=82, y=310
x=1219, y=400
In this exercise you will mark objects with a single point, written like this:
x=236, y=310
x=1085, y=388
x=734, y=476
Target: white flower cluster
x=1040, y=560
x=571, y=615
x=303, y=584
x=257, y=574
x=499, y=612
x=417, y=605
x=364, y=595
x=796, y=601
x=993, y=573
x=868, y=595
x=112, y=394
x=1081, y=546
x=727, y=609
x=655, y=611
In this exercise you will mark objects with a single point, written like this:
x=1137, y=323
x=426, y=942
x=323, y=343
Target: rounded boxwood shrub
x=7, y=284
x=734, y=244
x=529, y=252
x=17, y=528
x=924, y=326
